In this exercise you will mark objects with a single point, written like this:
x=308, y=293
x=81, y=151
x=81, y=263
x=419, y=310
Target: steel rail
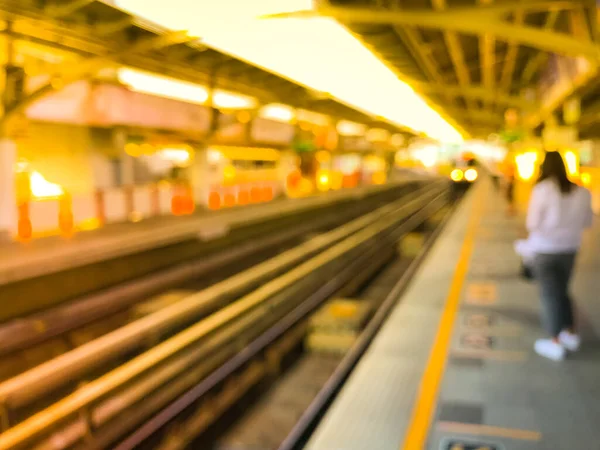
x=166, y=415
x=294, y=439
x=97, y=389
x=26, y=387
x=19, y=334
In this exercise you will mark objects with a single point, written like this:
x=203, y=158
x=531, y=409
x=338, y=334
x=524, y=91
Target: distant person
x=510, y=189
x=559, y=212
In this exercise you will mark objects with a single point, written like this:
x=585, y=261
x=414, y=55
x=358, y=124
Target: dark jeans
x=553, y=273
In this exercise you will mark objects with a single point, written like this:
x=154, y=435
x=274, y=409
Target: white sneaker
x=569, y=340
x=550, y=349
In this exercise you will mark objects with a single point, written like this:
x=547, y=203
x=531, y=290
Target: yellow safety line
x=422, y=413
x=486, y=430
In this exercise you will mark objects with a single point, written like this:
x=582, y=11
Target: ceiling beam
x=473, y=92
x=86, y=68
x=487, y=52
x=534, y=64
x=456, y=54
x=478, y=117
x=422, y=55
x=510, y=60
x=62, y=9
x=476, y=23
x=578, y=24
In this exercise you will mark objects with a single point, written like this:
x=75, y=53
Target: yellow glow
x=323, y=180
x=397, y=140
x=347, y=128
x=323, y=156
x=89, y=224
x=571, y=163
x=133, y=149
x=42, y=188
x=213, y=156
x=456, y=175
x=586, y=179
x=378, y=135
x=312, y=117
x=379, y=178
x=229, y=172
x=526, y=165
x=243, y=153
x=178, y=156
x=290, y=47
x=147, y=149
x=471, y=175
x=279, y=113
x=180, y=90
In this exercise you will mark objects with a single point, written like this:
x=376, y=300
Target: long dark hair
x=554, y=168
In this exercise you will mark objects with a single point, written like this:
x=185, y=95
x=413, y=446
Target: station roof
x=88, y=35
x=477, y=58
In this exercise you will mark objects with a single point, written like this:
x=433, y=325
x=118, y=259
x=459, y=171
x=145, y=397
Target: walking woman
x=559, y=212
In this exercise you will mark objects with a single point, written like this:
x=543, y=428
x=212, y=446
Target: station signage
x=230, y=130
x=354, y=143
x=267, y=131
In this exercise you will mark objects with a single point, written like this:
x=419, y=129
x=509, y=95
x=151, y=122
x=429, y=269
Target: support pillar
x=8, y=204
x=126, y=165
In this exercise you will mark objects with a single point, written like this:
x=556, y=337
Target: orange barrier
x=24, y=227
x=214, y=200
x=267, y=194
x=229, y=200
x=243, y=197
x=182, y=202
x=100, y=207
x=65, y=216
x=255, y=195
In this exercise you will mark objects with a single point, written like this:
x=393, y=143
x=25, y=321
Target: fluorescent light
x=347, y=128
x=42, y=188
x=279, y=113
x=180, y=90
x=318, y=53
x=312, y=117
x=226, y=100
x=164, y=87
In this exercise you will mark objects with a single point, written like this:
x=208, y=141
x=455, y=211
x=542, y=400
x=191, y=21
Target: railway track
x=240, y=327
x=30, y=340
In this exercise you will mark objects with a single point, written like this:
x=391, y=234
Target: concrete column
x=8, y=206
x=198, y=174
x=126, y=175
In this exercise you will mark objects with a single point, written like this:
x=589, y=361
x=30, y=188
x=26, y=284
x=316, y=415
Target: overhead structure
x=478, y=58
x=319, y=54
x=57, y=42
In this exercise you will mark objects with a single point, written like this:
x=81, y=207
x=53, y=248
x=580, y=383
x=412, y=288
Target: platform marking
x=476, y=341
x=486, y=324
x=495, y=355
x=482, y=294
x=427, y=395
x=464, y=444
x=478, y=320
x=487, y=430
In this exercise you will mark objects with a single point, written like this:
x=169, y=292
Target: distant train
x=464, y=171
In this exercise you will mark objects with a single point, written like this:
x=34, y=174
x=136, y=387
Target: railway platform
x=45, y=256
x=453, y=366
